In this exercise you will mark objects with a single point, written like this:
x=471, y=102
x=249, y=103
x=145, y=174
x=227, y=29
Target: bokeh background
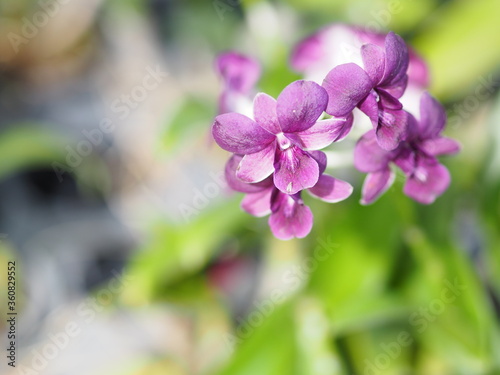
x=133, y=258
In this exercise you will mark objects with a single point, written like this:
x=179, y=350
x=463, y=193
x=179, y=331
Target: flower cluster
x=276, y=143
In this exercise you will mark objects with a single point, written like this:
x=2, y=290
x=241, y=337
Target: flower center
x=283, y=141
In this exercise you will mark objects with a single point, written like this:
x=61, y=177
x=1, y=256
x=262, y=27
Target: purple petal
x=290, y=217
x=412, y=129
x=346, y=85
x=418, y=73
x=332, y=45
x=373, y=62
x=369, y=106
x=397, y=88
x=300, y=105
x=371, y=37
x=406, y=160
x=264, y=109
x=369, y=156
x=387, y=101
x=307, y=53
x=238, y=185
x=237, y=133
x=331, y=189
x=225, y=103
x=429, y=180
x=375, y=185
x=396, y=59
x=432, y=117
x=440, y=146
x=323, y=133
x=258, y=204
x=320, y=158
x=239, y=72
x=295, y=170
x=256, y=167
x=392, y=128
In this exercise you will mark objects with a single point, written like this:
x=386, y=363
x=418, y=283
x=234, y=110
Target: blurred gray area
x=72, y=238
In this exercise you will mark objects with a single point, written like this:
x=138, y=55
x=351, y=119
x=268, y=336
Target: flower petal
x=418, y=72
x=332, y=45
x=238, y=185
x=376, y=184
x=440, y=146
x=432, y=117
x=290, y=217
x=308, y=52
x=387, y=101
x=264, y=109
x=239, y=134
x=369, y=156
x=256, y=167
x=300, y=105
x=412, y=129
x=295, y=170
x=346, y=85
x=373, y=62
x=239, y=72
x=396, y=59
x=429, y=180
x=406, y=159
x=258, y=204
x=323, y=133
x=391, y=128
x=398, y=88
x=331, y=189
x=320, y=158
x=369, y=106
x=368, y=36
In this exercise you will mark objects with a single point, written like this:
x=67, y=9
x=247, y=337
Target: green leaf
x=461, y=45
x=194, y=117
x=174, y=251
x=269, y=346
x=27, y=145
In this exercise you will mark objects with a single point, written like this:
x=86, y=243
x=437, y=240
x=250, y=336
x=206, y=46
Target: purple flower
x=418, y=72
x=289, y=216
x=415, y=156
x=239, y=74
x=339, y=44
x=375, y=89
x=319, y=53
x=279, y=139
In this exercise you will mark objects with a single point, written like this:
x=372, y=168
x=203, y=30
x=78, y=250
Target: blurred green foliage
x=27, y=145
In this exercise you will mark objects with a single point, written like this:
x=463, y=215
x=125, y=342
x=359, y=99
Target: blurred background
x=133, y=258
